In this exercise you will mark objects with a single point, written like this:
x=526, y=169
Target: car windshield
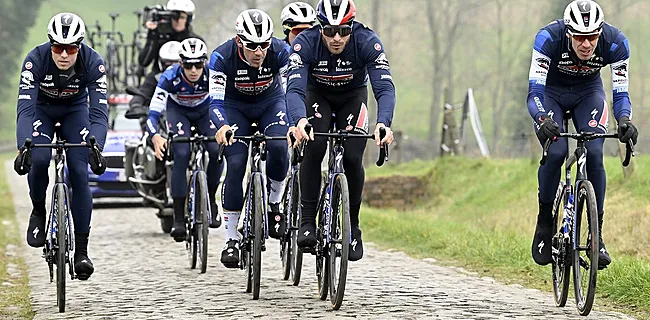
x=120, y=123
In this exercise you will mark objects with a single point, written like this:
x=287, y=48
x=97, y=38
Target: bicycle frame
x=335, y=168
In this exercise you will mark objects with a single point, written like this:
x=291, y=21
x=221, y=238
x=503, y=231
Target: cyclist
x=180, y=30
x=167, y=56
x=245, y=87
x=62, y=80
x=565, y=76
x=296, y=17
x=328, y=69
x=183, y=92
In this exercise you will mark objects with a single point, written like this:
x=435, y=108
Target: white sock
x=231, y=218
x=277, y=190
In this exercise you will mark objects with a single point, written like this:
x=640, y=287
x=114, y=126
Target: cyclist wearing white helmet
x=62, y=80
x=329, y=72
x=296, y=17
x=183, y=92
x=245, y=87
x=167, y=55
x=565, y=76
x=181, y=30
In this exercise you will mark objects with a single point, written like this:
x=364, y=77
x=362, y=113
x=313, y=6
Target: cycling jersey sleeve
x=98, y=112
x=298, y=71
x=27, y=96
x=283, y=62
x=382, y=82
x=159, y=101
x=620, y=51
x=539, y=67
x=217, y=88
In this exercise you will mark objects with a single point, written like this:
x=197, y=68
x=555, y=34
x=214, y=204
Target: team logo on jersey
x=281, y=115
x=101, y=68
x=316, y=113
x=180, y=131
x=621, y=70
x=295, y=61
x=26, y=79
x=543, y=63
x=28, y=65
x=297, y=47
x=377, y=46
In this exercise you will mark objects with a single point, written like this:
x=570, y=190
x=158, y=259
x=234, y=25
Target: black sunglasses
x=189, y=65
x=342, y=30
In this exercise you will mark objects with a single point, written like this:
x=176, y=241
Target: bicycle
x=333, y=232
x=568, y=250
x=197, y=208
x=289, y=252
x=255, y=228
x=59, y=242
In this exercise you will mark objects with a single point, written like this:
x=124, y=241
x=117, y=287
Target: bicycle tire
x=258, y=233
x=285, y=239
x=586, y=196
x=61, y=248
x=246, y=247
x=321, y=257
x=202, y=225
x=561, y=262
x=340, y=232
x=296, y=253
x=190, y=243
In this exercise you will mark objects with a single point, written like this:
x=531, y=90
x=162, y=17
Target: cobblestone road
x=142, y=274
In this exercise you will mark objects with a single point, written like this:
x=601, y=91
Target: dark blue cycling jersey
x=173, y=84
x=554, y=64
x=312, y=64
x=233, y=80
x=42, y=84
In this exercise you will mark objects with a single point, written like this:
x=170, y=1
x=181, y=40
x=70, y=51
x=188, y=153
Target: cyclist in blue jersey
x=565, y=76
x=329, y=68
x=183, y=91
x=245, y=87
x=62, y=80
x=296, y=17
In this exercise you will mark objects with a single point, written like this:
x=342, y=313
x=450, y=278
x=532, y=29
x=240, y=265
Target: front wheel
x=340, y=234
x=294, y=223
x=585, y=255
x=61, y=245
x=202, y=225
x=258, y=234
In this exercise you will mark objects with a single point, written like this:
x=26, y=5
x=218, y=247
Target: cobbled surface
x=141, y=273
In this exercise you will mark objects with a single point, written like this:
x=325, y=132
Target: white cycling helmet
x=336, y=12
x=584, y=17
x=169, y=52
x=254, y=25
x=193, y=50
x=298, y=13
x=66, y=28
x=186, y=6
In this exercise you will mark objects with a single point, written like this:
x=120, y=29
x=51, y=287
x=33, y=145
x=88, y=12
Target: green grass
x=14, y=299
x=482, y=216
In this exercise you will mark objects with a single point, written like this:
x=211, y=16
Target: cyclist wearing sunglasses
x=328, y=72
x=62, y=80
x=565, y=76
x=296, y=17
x=245, y=87
x=183, y=92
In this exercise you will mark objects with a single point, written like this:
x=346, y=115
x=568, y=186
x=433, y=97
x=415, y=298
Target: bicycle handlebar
x=344, y=134
x=60, y=144
x=587, y=136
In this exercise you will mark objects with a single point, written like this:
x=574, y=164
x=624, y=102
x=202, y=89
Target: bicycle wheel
x=585, y=256
x=561, y=249
x=322, y=257
x=339, y=245
x=61, y=246
x=285, y=239
x=190, y=238
x=296, y=253
x=202, y=225
x=258, y=234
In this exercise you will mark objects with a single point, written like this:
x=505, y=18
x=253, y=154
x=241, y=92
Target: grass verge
x=14, y=289
x=482, y=216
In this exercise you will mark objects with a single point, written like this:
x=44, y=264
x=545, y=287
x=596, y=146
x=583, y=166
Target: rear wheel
x=561, y=250
x=258, y=234
x=585, y=257
x=61, y=246
x=202, y=225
